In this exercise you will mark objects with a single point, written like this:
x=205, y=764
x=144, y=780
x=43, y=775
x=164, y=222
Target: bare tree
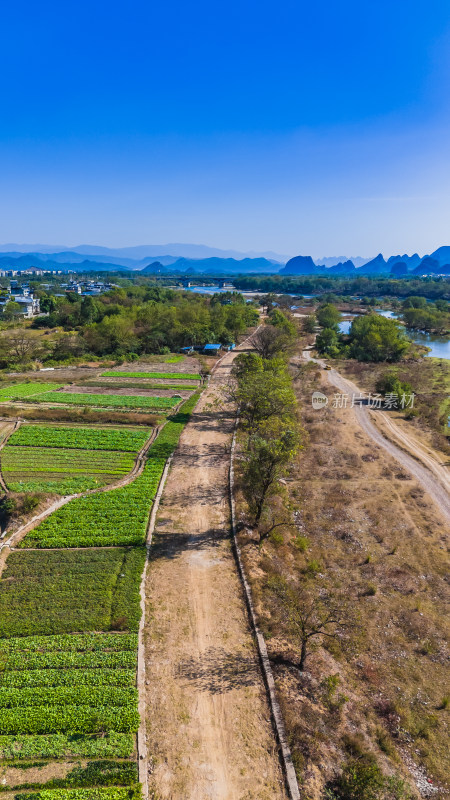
x=19, y=346
x=268, y=341
x=308, y=614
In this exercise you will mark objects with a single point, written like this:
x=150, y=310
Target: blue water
x=440, y=345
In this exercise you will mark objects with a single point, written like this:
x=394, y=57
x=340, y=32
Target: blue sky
x=319, y=128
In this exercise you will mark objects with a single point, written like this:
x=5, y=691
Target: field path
x=432, y=475
x=209, y=733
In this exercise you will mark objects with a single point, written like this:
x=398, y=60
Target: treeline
x=268, y=411
x=123, y=321
x=369, y=287
x=417, y=314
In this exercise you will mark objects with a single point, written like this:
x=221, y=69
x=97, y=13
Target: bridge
x=222, y=283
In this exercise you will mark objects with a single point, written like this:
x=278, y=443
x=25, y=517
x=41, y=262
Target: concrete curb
x=277, y=718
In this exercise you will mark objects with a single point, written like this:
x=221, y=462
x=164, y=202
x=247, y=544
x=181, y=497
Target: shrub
x=301, y=543
x=362, y=779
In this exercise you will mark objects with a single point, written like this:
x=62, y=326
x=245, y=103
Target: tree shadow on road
x=167, y=545
x=218, y=671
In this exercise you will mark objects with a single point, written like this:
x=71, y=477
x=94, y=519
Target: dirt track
x=208, y=724
x=432, y=475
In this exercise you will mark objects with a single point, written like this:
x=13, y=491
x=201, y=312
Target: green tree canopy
x=377, y=338
x=328, y=316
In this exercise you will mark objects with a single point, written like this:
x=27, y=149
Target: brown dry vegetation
x=367, y=530
x=85, y=416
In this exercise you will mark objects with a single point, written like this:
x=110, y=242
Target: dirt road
x=433, y=476
x=208, y=721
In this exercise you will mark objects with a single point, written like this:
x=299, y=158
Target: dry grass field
x=365, y=529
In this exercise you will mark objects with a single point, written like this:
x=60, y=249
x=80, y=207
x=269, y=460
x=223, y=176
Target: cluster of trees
x=371, y=337
x=269, y=418
x=359, y=286
x=420, y=315
x=134, y=320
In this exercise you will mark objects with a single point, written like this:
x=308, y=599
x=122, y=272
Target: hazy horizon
x=164, y=249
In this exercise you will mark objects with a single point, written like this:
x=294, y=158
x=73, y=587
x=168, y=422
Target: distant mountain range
x=187, y=259
x=133, y=257
x=438, y=263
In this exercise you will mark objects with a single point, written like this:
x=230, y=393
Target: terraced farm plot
x=61, y=470
x=118, y=401
x=88, y=438
x=68, y=691
x=73, y=590
x=116, y=517
x=22, y=391
x=179, y=376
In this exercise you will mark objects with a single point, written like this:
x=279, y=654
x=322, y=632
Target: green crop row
x=115, y=660
x=24, y=390
x=62, y=486
x=67, y=695
x=105, y=400
x=54, y=459
x=68, y=677
x=75, y=642
x=93, y=793
x=126, y=440
x=179, y=376
x=129, y=383
x=110, y=745
x=65, y=719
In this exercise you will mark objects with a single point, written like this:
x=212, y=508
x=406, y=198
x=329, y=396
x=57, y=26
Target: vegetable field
x=64, y=471
x=73, y=590
x=22, y=391
x=68, y=460
x=104, y=400
x=70, y=609
x=110, y=745
x=179, y=376
x=117, y=517
x=78, y=437
x=93, y=793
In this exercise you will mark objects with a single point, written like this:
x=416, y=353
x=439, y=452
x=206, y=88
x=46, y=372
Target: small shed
x=211, y=349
